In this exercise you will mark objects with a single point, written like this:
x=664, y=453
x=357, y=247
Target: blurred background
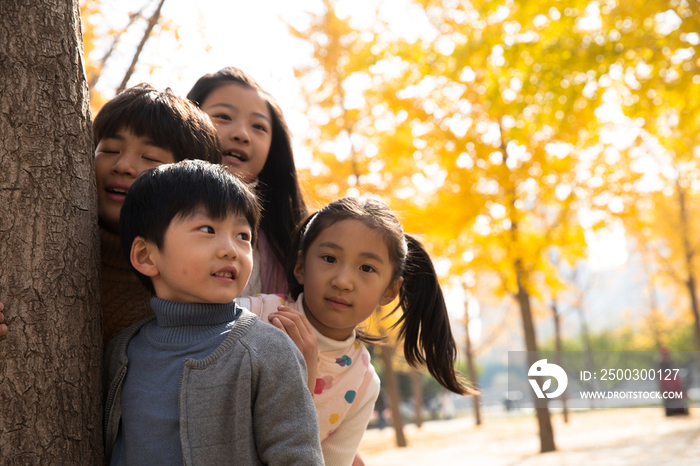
x=547, y=153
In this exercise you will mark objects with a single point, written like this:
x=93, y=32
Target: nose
x=240, y=133
x=227, y=248
x=342, y=279
x=125, y=164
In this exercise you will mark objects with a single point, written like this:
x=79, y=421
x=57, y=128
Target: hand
x=3, y=327
x=299, y=329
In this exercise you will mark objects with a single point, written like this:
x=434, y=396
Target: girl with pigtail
x=351, y=257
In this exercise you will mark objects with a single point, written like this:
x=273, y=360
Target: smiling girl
x=256, y=146
x=353, y=256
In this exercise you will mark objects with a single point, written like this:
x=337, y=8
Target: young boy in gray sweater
x=204, y=381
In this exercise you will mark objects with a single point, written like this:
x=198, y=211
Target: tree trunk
x=557, y=343
x=654, y=317
x=587, y=348
x=51, y=359
x=689, y=260
x=543, y=419
x=392, y=389
x=470, y=365
x=417, y=386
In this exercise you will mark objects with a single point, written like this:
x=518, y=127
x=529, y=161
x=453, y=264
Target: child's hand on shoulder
x=299, y=329
x=3, y=327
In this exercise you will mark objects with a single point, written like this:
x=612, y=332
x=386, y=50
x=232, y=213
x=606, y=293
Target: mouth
x=226, y=273
x=116, y=191
x=235, y=154
x=337, y=303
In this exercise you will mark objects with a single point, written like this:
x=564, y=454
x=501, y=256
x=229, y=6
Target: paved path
x=623, y=437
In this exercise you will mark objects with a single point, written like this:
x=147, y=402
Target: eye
x=260, y=127
x=206, y=229
x=221, y=116
x=150, y=159
x=329, y=259
x=243, y=236
x=106, y=150
x=367, y=268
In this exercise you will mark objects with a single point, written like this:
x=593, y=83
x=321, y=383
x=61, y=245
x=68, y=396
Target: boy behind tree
x=204, y=381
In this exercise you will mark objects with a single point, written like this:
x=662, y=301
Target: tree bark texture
x=51, y=359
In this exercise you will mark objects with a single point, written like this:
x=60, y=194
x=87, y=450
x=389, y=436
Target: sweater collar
x=172, y=314
x=187, y=324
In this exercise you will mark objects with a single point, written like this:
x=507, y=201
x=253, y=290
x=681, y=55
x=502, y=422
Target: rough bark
x=392, y=389
x=50, y=361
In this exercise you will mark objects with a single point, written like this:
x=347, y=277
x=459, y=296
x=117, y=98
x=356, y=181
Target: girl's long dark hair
x=277, y=184
x=424, y=325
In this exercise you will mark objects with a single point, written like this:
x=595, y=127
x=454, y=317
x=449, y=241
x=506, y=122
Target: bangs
x=164, y=119
x=153, y=122
x=186, y=188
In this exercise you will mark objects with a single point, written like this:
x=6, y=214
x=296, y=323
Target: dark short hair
x=178, y=190
x=171, y=122
x=278, y=184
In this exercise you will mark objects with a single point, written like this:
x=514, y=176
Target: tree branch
x=97, y=75
x=151, y=24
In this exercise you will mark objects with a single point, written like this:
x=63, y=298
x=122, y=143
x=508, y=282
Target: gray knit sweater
x=245, y=403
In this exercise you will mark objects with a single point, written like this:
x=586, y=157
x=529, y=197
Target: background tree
x=471, y=364
x=655, y=80
x=335, y=110
x=107, y=41
x=380, y=324
x=50, y=362
x=152, y=21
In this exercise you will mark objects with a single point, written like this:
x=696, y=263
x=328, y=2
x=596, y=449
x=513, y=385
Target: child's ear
x=141, y=257
x=392, y=292
x=299, y=269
